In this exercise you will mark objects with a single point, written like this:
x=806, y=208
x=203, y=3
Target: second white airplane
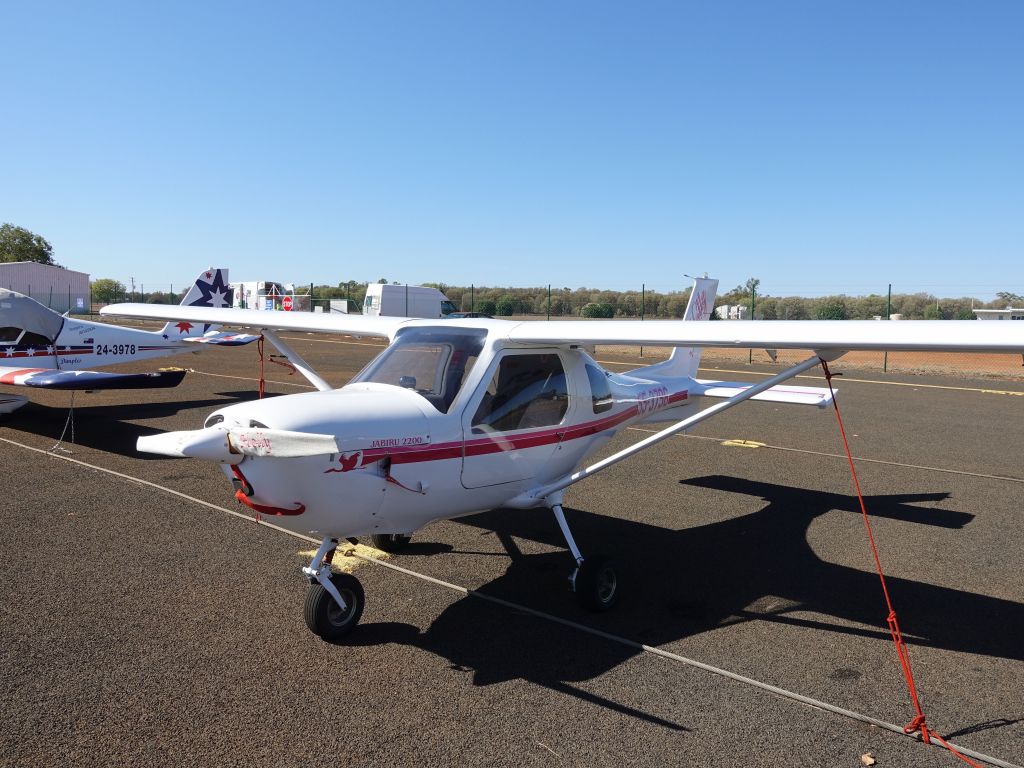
x=45, y=350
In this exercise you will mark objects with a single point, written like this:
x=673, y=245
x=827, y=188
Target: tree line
x=592, y=302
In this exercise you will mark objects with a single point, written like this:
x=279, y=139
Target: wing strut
x=536, y=496
x=295, y=359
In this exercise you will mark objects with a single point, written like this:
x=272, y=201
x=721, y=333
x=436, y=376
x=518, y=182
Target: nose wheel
x=325, y=616
x=335, y=601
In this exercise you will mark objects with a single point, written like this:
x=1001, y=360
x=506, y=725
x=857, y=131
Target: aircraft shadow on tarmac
x=679, y=583
x=107, y=427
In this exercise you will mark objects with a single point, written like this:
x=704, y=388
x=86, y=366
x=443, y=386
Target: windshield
x=432, y=362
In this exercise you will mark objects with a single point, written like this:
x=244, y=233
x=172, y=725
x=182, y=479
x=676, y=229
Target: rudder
x=210, y=289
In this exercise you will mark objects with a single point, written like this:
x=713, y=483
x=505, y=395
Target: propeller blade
x=232, y=445
x=280, y=443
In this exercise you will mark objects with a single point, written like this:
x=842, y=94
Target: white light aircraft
x=43, y=349
x=457, y=417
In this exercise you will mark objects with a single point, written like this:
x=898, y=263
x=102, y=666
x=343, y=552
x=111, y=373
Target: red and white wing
x=50, y=378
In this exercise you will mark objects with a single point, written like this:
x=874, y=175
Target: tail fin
x=684, y=361
x=211, y=289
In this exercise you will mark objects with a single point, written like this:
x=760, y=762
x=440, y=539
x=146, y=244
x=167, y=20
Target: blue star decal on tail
x=215, y=293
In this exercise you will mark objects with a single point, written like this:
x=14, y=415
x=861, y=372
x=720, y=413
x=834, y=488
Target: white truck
x=383, y=300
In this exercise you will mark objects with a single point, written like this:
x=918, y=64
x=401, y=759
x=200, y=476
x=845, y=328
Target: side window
x=9, y=333
x=527, y=391
x=34, y=339
x=600, y=389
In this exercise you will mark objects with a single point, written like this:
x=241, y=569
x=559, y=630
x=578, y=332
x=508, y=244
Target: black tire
x=324, y=617
x=390, y=542
x=597, y=584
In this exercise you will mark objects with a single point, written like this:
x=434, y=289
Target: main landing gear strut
x=595, y=579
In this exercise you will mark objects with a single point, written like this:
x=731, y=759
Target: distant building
x=731, y=311
x=54, y=287
x=266, y=294
x=999, y=314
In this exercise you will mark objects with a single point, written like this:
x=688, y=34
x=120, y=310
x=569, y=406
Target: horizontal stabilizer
x=783, y=393
x=223, y=339
x=48, y=378
x=232, y=445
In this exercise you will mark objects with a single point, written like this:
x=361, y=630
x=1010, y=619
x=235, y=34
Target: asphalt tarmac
x=140, y=627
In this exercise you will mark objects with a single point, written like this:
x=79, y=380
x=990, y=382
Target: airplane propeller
x=231, y=445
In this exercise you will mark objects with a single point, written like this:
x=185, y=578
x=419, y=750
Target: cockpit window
x=433, y=363
x=526, y=391
x=600, y=389
x=9, y=334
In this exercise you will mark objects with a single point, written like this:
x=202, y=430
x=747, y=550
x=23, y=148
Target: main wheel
x=390, y=542
x=597, y=584
x=325, y=617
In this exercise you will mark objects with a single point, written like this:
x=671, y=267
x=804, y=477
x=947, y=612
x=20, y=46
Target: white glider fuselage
x=85, y=344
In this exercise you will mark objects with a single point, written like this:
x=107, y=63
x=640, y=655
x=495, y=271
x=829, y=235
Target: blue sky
x=823, y=147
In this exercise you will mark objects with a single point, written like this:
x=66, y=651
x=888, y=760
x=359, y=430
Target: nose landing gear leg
x=335, y=601
x=595, y=579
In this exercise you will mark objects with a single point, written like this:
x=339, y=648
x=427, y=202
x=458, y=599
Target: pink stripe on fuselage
x=500, y=443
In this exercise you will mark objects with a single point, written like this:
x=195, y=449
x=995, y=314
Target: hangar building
x=54, y=287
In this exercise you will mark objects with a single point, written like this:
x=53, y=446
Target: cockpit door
x=515, y=424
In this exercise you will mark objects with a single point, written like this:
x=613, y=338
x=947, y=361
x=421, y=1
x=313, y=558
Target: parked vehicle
x=383, y=300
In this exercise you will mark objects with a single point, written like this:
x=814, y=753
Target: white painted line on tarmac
x=668, y=655
x=252, y=378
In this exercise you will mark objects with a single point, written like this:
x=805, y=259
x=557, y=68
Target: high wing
x=256, y=319
x=48, y=378
x=818, y=335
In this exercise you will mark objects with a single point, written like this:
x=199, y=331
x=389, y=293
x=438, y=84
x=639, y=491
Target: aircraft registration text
x=114, y=349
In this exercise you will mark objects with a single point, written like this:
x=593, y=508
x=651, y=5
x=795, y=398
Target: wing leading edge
x=255, y=319
x=820, y=335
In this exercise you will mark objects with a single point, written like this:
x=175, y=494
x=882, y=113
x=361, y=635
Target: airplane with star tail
x=43, y=349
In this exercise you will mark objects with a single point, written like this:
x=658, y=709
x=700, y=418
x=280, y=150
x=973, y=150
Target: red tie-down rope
x=287, y=364
x=259, y=348
x=919, y=722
